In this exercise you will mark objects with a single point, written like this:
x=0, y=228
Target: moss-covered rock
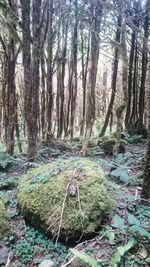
x=4, y=222
x=65, y=198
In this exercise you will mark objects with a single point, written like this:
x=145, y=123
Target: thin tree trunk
x=130, y=82
x=146, y=182
x=50, y=67
x=122, y=106
x=144, y=66
x=31, y=72
x=75, y=80
x=85, y=63
x=114, y=80
x=62, y=90
x=43, y=96
x=96, y=12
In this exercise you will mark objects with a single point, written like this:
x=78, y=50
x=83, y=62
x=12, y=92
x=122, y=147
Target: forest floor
x=129, y=219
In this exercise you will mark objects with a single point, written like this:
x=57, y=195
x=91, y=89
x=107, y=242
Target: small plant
x=33, y=244
x=85, y=258
x=5, y=160
x=116, y=258
x=134, y=139
x=9, y=183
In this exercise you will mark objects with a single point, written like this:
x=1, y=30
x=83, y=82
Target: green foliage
x=111, y=237
x=118, y=222
x=5, y=160
x=121, y=252
x=116, y=259
x=133, y=225
x=9, y=183
x=121, y=175
x=33, y=244
x=119, y=167
x=98, y=125
x=4, y=222
x=121, y=158
x=85, y=258
x=137, y=179
x=134, y=139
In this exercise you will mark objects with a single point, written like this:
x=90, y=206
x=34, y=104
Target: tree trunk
x=121, y=108
x=9, y=85
x=62, y=90
x=75, y=79
x=144, y=66
x=146, y=182
x=31, y=72
x=114, y=80
x=128, y=110
x=134, y=113
x=85, y=62
x=50, y=68
x=96, y=12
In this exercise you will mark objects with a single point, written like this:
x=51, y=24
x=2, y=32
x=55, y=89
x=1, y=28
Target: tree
x=123, y=52
x=146, y=181
x=114, y=78
x=11, y=50
x=31, y=62
x=96, y=14
x=144, y=67
x=49, y=80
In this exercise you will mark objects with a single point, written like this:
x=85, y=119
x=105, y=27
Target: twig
x=66, y=264
x=62, y=212
x=8, y=260
x=80, y=246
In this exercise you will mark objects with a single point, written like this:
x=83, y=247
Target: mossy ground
x=4, y=222
x=65, y=198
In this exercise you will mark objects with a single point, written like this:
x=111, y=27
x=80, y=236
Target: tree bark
x=50, y=67
x=122, y=106
x=114, y=80
x=144, y=66
x=96, y=13
x=146, y=181
x=31, y=72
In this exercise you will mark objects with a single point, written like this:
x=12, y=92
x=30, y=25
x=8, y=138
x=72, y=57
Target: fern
x=120, y=174
x=5, y=160
x=85, y=258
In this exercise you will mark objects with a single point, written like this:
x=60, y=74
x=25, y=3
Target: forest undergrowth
x=122, y=240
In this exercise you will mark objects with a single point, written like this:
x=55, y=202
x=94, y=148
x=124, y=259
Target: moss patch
x=4, y=222
x=65, y=198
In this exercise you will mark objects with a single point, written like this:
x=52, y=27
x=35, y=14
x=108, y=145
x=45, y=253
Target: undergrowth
x=35, y=247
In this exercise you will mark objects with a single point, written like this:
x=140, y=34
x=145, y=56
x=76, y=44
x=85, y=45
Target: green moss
x=4, y=222
x=74, y=193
